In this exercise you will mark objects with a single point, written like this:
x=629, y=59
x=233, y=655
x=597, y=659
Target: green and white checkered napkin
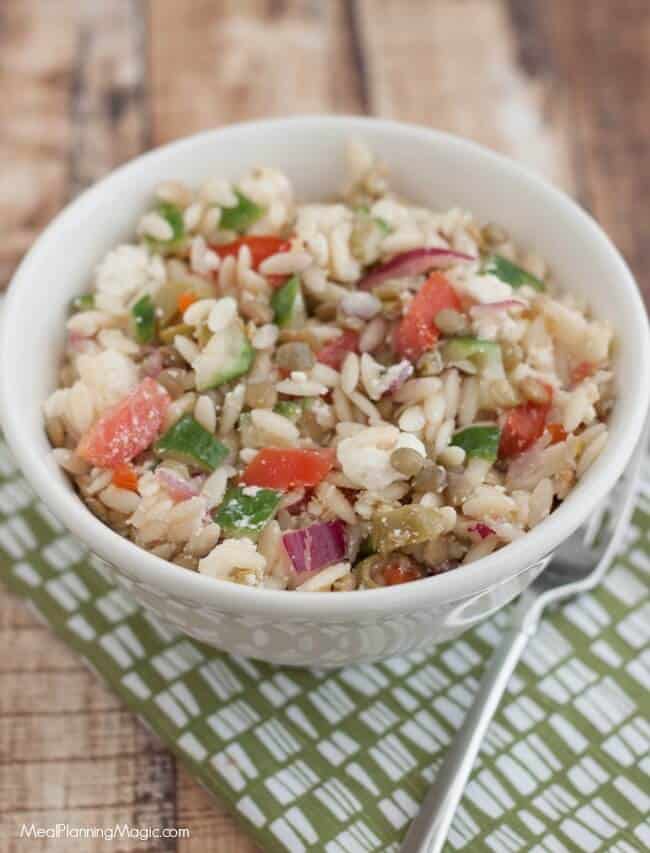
x=338, y=761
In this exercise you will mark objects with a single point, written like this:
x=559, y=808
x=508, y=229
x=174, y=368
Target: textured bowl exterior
x=302, y=642
x=430, y=167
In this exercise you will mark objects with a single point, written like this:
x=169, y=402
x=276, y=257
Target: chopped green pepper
x=85, y=302
x=240, y=217
x=187, y=441
x=143, y=320
x=408, y=525
x=486, y=355
x=245, y=510
x=287, y=303
x=512, y=274
x=481, y=442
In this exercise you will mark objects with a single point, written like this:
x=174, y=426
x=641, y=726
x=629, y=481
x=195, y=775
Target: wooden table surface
x=563, y=85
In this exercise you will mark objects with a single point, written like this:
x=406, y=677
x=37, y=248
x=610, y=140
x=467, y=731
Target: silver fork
x=577, y=566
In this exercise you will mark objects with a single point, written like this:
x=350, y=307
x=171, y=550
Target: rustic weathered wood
x=601, y=52
x=561, y=84
x=37, y=58
x=242, y=59
x=109, y=111
x=453, y=66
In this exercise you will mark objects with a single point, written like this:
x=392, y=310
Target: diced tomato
x=333, y=354
x=417, y=331
x=125, y=477
x=582, y=371
x=261, y=246
x=522, y=427
x=399, y=574
x=128, y=428
x=276, y=468
x=557, y=433
x=185, y=300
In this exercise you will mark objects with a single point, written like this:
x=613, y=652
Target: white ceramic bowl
x=432, y=168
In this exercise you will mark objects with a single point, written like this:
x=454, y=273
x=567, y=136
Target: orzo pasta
x=325, y=396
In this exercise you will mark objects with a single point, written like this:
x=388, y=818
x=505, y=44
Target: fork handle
x=428, y=831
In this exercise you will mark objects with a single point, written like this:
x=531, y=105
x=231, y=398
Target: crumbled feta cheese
x=365, y=457
x=251, y=491
x=233, y=554
x=127, y=273
x=487, y=288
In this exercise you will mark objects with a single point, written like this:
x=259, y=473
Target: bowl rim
x=468, y=580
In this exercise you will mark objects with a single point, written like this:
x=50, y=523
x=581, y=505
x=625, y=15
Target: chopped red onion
x=76, y=342
x=178, y=487
x=152, y=364
x=415, y=262
x=317, y=546
x=397, y=374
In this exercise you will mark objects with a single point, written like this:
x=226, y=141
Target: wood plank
x=213, y=828
x=602, y=52
x=242, y=59
x=37, y=56
x=453, y=66
x=109, y=112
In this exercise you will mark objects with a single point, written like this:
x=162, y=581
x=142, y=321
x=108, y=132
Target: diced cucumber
x=85, y=302
x=143, y=320
x=240, y=217
x=245, y=510
x=187, y=441
x=512, y=274
x=478, y=441
x=486, y=355
x=227, y=355
x=288, y=304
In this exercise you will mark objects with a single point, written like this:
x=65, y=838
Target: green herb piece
x=293, y=409
x=143, y=320
x=85, y=302
x=245, y=510
x=383, y=226
x=187, y=441
x=174, y=216
x=512, y=274
x=240, y=217
x=481, y=442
